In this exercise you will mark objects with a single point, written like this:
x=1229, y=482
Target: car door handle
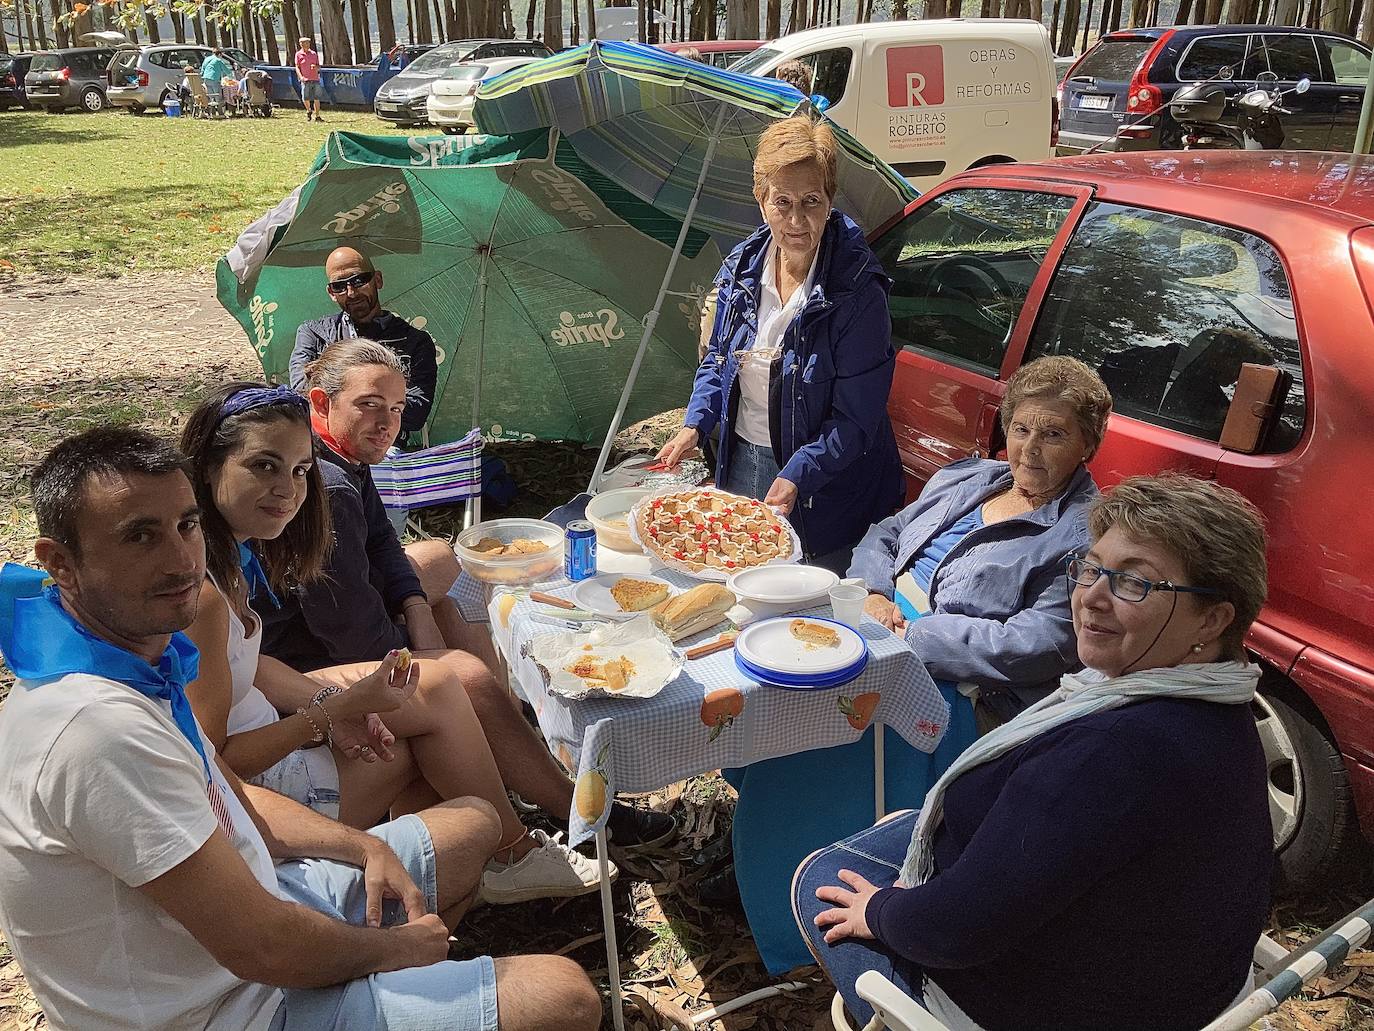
x=1350, y=98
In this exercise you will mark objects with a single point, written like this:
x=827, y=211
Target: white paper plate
x=770, y=645
x=594, y=594
x=783, y=585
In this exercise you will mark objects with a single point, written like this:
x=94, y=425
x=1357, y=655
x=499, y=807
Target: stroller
x=257, y=98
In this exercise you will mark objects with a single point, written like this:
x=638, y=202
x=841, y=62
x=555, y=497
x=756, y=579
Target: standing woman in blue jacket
x=800, y=361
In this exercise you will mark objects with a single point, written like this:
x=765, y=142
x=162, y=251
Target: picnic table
x=711, y=716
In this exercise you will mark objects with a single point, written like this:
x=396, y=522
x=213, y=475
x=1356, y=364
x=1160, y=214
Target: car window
x=1349, y=63
x=1113, y=60
x=239, y=57
x=46, y=63
x=1209, y=54
x=128, y=60
x=962, y=265
x=751, y=63
x=439, y=57
x=1291, y=56
x=830, y=72
x=1166, y=309
x=466, y=71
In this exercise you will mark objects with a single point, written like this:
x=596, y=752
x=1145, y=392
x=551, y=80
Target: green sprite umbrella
x=533, y=273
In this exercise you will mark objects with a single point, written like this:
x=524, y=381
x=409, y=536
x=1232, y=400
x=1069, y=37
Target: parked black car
x=1133, y=73
x=13, y=68
x=73, y=77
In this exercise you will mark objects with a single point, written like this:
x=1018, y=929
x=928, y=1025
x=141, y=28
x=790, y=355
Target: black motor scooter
x=1198, y=109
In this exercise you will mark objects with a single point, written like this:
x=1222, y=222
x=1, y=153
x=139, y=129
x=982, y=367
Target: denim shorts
x=308, y=776
x=454, y=996
x=312, y=89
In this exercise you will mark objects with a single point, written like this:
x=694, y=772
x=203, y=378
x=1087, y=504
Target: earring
x=1197, y=649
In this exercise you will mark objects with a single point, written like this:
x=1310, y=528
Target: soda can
x=579, y=551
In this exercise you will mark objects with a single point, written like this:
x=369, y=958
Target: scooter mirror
x=1303, y=86
x=1267, y=77
x=1225, y=73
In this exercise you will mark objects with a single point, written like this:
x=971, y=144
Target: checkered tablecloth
x=712, y=715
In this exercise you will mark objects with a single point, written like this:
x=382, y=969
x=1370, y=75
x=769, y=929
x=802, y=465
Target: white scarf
x=1079, y=695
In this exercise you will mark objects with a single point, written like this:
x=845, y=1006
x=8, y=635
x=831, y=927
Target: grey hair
x=329, y=371
x=1215, y=533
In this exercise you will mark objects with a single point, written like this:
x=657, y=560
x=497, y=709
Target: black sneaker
x=632, y=827
x=720, y=890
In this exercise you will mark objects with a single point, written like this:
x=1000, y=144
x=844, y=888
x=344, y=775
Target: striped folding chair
x=442, y=475
x=1279, y=976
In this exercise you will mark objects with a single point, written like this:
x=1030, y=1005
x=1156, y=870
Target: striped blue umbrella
x=651, y=121
x=678, y=134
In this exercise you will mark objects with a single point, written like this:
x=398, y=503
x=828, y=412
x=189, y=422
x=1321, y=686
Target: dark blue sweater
x=1112, y=873
x=348, y=615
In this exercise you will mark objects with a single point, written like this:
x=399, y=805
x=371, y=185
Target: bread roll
x=693, y=611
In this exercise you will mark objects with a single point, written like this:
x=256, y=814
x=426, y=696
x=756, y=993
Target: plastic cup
x=847, y=603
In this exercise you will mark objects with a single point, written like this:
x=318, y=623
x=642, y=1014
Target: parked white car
x=451, y=95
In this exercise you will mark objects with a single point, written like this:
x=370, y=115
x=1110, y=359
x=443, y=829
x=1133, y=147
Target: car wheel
x=136, y=109
x=453, y=130
x=92, y=100
x=1316, y=835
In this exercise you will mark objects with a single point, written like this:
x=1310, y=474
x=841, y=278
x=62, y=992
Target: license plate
x=390, y=109
x=1095, y=103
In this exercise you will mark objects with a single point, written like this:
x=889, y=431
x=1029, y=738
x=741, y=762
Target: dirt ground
x=87, y=350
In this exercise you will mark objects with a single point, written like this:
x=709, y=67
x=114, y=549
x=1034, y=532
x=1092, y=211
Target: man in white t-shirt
x=142, y=885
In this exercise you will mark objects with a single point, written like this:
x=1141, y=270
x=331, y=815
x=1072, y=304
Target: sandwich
x=693, y=611
x=638, y=595
x=814, y=634
x=403, y=660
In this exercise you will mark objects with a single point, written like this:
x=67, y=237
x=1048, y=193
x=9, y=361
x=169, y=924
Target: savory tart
x=814, y=634
x=638, y=595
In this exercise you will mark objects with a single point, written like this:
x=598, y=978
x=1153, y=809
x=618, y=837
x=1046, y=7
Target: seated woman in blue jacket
x=800, y=361
x=972, y=574
x=1103, y=860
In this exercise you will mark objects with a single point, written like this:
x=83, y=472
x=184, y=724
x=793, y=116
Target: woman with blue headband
x=266, y=525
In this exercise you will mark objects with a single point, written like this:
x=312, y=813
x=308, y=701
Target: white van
x=931, y=98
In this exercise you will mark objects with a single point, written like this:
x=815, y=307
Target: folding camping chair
x=441, y=475
x=259, y=97
x=200, y=96
x=1279, y=974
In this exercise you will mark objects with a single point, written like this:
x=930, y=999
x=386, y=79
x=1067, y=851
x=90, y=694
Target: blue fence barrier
x=354, y=86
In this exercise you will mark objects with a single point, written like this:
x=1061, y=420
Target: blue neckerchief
x=41, y=641
x=255, y=576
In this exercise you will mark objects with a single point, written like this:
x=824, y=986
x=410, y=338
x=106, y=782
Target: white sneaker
x=551, y=871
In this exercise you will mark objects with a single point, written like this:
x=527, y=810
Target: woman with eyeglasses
x=1103, y=860
x=972, y=575
x=800, y=360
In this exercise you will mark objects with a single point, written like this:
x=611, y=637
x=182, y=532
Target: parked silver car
x=142, y=79
x=404, y=98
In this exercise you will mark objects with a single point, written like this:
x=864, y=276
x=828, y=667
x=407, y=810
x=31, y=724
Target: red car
x=1167, y=272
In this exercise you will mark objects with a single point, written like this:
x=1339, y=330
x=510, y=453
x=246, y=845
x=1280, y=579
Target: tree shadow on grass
x=27, y=128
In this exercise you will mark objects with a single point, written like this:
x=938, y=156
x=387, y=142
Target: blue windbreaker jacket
x=827, y=390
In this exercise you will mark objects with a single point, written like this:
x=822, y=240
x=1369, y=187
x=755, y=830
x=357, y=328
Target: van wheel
x=1316, y=835
x=92, y=100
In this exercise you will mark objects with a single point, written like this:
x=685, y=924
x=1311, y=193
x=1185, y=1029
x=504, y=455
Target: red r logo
x=915, y=76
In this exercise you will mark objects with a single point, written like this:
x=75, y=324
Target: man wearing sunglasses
x=355, y=286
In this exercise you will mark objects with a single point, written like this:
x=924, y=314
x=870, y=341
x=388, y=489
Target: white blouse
x=774, y=316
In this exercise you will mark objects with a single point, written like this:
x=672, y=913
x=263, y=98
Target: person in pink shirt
x=308, y=68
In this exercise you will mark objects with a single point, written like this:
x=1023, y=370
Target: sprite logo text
x=260, y=312
x=599, y=327
x=385, y=200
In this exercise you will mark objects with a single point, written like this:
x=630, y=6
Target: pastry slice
x=814, y=634
x=489, y=544
x=638, y=595
x=525, y=546
x=617, y=673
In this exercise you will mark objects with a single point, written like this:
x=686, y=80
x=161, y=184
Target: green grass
x=113, y=194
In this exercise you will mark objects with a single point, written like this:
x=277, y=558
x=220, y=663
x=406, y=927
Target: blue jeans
x=876, y=854
x=752, y=469
x=445, y=996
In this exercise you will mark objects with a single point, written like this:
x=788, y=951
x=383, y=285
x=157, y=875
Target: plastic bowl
x=611, y=505
x=512, y=569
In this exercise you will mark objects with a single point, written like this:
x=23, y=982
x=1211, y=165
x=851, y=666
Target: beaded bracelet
x=316, y=734
x=328, y=691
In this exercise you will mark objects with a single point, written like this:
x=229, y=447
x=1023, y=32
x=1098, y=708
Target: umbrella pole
x=473, y=509
x=652, y=320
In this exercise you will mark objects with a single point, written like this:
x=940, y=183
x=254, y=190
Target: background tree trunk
x=362, y=33
x=1087, y=22
x=290, y=25
x=591, y=18
x=575, y=32
x=337, y=48
x=59, y=29
x=19, y=38
x=553, y=24
x=425, y=29
x=529, y=20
